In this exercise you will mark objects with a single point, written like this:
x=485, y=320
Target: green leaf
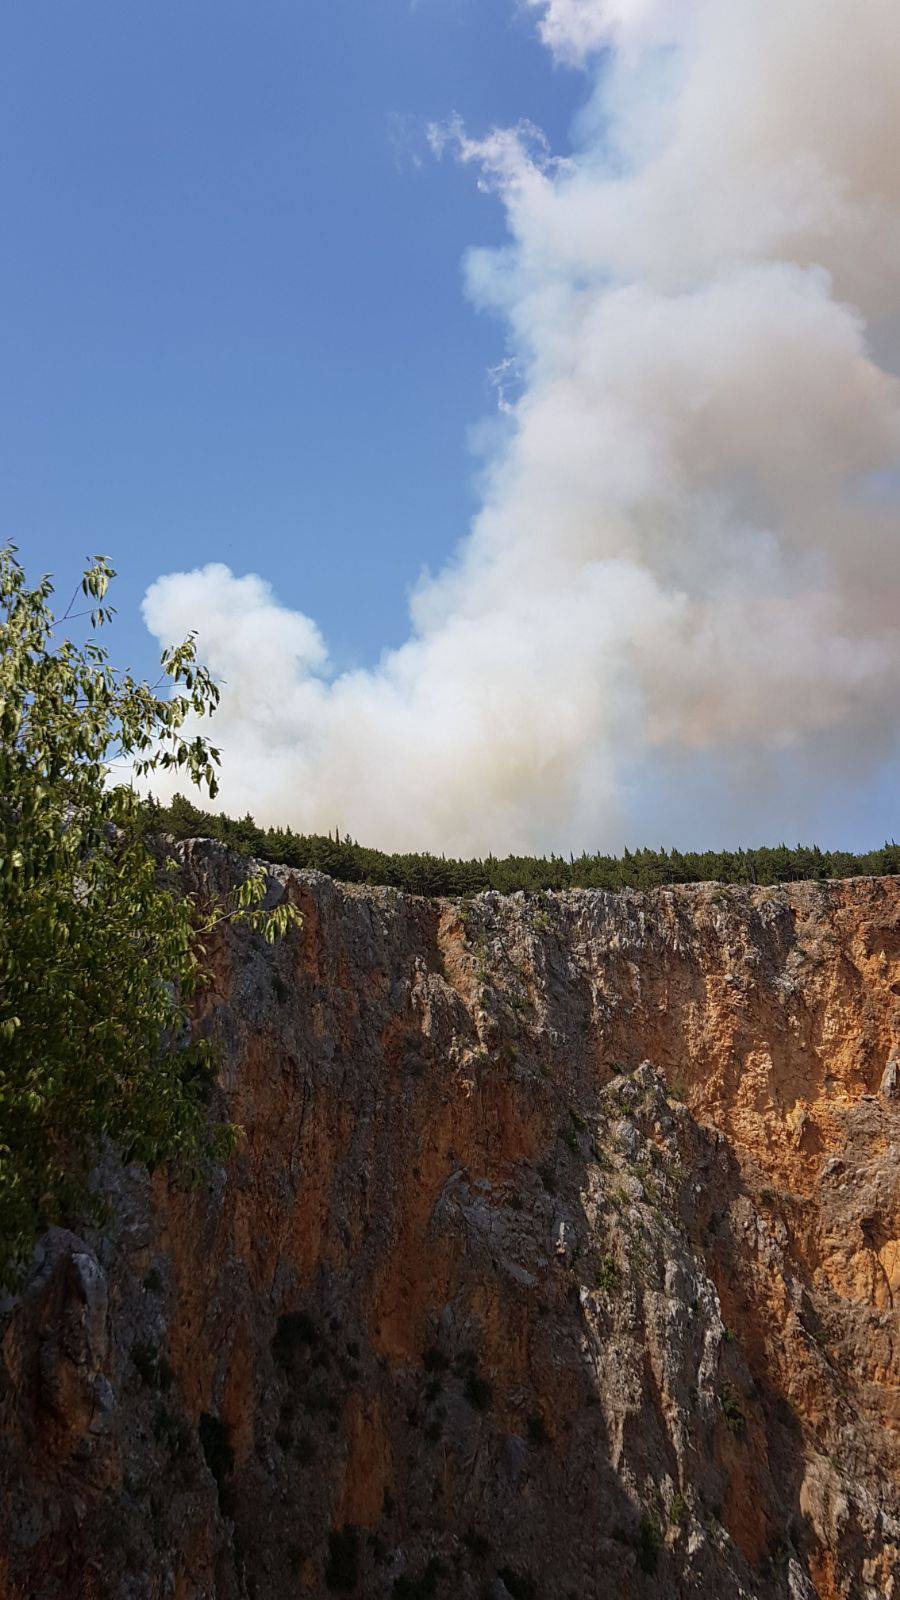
x=99, y=949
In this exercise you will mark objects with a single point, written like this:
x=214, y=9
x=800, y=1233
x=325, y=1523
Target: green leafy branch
x=101, y=951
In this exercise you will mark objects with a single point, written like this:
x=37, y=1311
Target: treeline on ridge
x=350, y=862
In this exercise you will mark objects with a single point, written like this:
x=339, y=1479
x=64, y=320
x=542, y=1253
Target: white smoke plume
x=677, y=614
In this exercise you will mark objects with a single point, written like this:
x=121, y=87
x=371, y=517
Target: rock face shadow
x=552, y=1264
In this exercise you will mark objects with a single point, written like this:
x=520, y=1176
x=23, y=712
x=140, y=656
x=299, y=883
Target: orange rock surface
x=559, y=1259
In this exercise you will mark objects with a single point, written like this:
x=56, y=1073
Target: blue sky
x=234, y=331
x=233, y=326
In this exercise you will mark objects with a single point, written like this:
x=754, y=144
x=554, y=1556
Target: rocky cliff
x=558, y=1260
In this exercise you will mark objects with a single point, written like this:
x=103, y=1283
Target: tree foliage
x=437, y=875
x=100, y=951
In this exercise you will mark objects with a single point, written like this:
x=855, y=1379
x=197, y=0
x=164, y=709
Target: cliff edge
x=558, y=1261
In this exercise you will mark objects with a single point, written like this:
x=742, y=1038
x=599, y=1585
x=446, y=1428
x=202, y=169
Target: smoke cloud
x=677, y=614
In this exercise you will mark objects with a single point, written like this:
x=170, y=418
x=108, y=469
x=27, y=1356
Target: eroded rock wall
x=559, y=1260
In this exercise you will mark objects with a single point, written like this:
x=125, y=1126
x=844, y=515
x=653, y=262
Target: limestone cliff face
x=559, y=1260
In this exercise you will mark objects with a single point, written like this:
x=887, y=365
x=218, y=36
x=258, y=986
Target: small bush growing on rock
x=172, y=1432
x=731, y=1408
x=608, y=1276
x=478, y=1391
x=342, y=1566
x=646, y=1544
x=434, y=1359
x=143, y=1356
x=476, y=1544
x=776, y=1557
x=519, y=1584
x=216, y=1446
x=294, y=1332
x=421, y=1588
x=788, y=1417
x=537, y=1430
x=155, y=1370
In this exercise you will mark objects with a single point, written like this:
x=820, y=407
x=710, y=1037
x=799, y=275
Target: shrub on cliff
x=98, y=956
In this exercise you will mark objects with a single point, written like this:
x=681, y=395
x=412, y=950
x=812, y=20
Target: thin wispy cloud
x=678, y=604
x=407, y=140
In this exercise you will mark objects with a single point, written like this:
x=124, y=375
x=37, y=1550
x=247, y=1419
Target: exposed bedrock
x=559, y=1259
